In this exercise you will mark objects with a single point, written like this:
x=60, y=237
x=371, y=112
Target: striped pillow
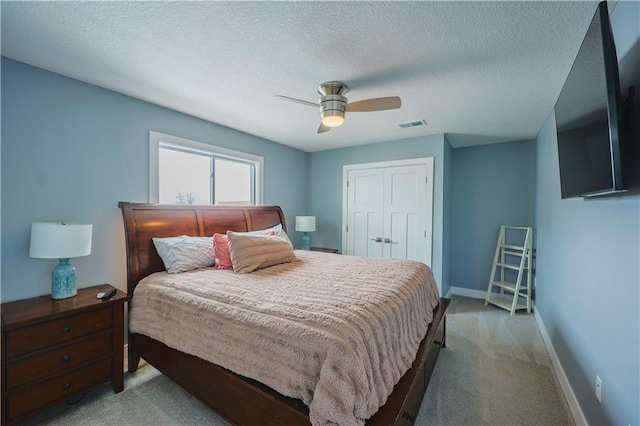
x=184, y=253
x=252, y=252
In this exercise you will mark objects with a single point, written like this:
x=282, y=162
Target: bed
x=239, y=399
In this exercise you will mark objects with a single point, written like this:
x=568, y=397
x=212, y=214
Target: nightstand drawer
x=21, y=341
x=58, y=360
x=59, y=387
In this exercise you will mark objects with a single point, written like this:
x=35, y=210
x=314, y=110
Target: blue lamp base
x=305, y=241
x=63, y=280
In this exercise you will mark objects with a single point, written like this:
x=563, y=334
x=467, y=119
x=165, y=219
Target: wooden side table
x=55, y=349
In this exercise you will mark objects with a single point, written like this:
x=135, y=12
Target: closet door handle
x=377, y=239
x=388, y=240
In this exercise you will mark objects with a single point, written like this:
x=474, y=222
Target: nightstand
x=55, y=349
x=324, y=249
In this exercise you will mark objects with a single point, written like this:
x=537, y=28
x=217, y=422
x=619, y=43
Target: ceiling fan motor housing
x=332, y=106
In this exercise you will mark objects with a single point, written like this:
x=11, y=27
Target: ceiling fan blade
x=375, y=104
x=299, y=101
x=323, y=128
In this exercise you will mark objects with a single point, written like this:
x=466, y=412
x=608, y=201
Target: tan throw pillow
x=251, y=252
x=274, y=230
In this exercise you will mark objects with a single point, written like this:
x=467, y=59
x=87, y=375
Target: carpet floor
x=494, y=371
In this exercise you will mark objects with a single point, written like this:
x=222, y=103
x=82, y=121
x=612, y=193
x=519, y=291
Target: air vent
x=412, y=124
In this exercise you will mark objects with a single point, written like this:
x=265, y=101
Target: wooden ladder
x=511, y=257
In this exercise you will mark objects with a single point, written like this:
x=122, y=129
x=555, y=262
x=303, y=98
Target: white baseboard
x=574, y=406
x=467, y=292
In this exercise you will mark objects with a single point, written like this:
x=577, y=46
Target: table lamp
x=305, y=224
x=61, y=240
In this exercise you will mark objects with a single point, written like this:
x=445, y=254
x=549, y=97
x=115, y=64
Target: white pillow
x=251, y=252
x=277, y=231
x=184, y=253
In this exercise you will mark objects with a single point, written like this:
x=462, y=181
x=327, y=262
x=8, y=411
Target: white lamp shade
x=305, y=223
x=60, y=240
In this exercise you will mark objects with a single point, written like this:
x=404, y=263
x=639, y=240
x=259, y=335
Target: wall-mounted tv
x=589, y=116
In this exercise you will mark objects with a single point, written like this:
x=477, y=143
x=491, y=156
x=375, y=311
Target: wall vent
x=412, y=124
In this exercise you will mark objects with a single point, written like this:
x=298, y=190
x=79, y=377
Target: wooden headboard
x=142, y=222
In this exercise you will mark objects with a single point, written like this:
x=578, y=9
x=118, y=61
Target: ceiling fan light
x=333, y=121
x=332, y=117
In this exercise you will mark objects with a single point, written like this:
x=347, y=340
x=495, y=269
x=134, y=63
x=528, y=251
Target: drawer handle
x=66, y=329
x=408, y=416
x=66, y=358
x=66, y=386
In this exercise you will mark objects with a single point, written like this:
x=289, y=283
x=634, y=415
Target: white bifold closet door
x=389, y=209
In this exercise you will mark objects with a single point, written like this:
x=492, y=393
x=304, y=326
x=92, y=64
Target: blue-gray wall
x=588, y=271
x=588, y=289
x=493, y=185
x=71, y=151
x=325, y=183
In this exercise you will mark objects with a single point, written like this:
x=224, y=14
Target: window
x=188, y=172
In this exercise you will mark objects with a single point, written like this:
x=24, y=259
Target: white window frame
x=157, y=138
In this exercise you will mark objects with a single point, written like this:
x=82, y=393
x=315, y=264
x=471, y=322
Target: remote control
x=106, y=296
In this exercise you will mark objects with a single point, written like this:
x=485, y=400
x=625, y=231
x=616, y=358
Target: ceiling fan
x=333, y=105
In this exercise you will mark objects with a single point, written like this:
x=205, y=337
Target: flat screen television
x=589, y=116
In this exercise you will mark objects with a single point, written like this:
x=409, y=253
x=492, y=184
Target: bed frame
x=238, y=399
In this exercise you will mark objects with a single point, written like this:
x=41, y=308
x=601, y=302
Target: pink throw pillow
x=221, y=252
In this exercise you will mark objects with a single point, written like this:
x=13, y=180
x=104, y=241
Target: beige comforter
x=337, y=332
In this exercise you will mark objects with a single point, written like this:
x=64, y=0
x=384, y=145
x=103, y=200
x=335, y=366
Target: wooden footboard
x=240, y=400
x=403, y=404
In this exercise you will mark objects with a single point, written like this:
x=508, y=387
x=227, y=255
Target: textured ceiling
x=481, y=72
